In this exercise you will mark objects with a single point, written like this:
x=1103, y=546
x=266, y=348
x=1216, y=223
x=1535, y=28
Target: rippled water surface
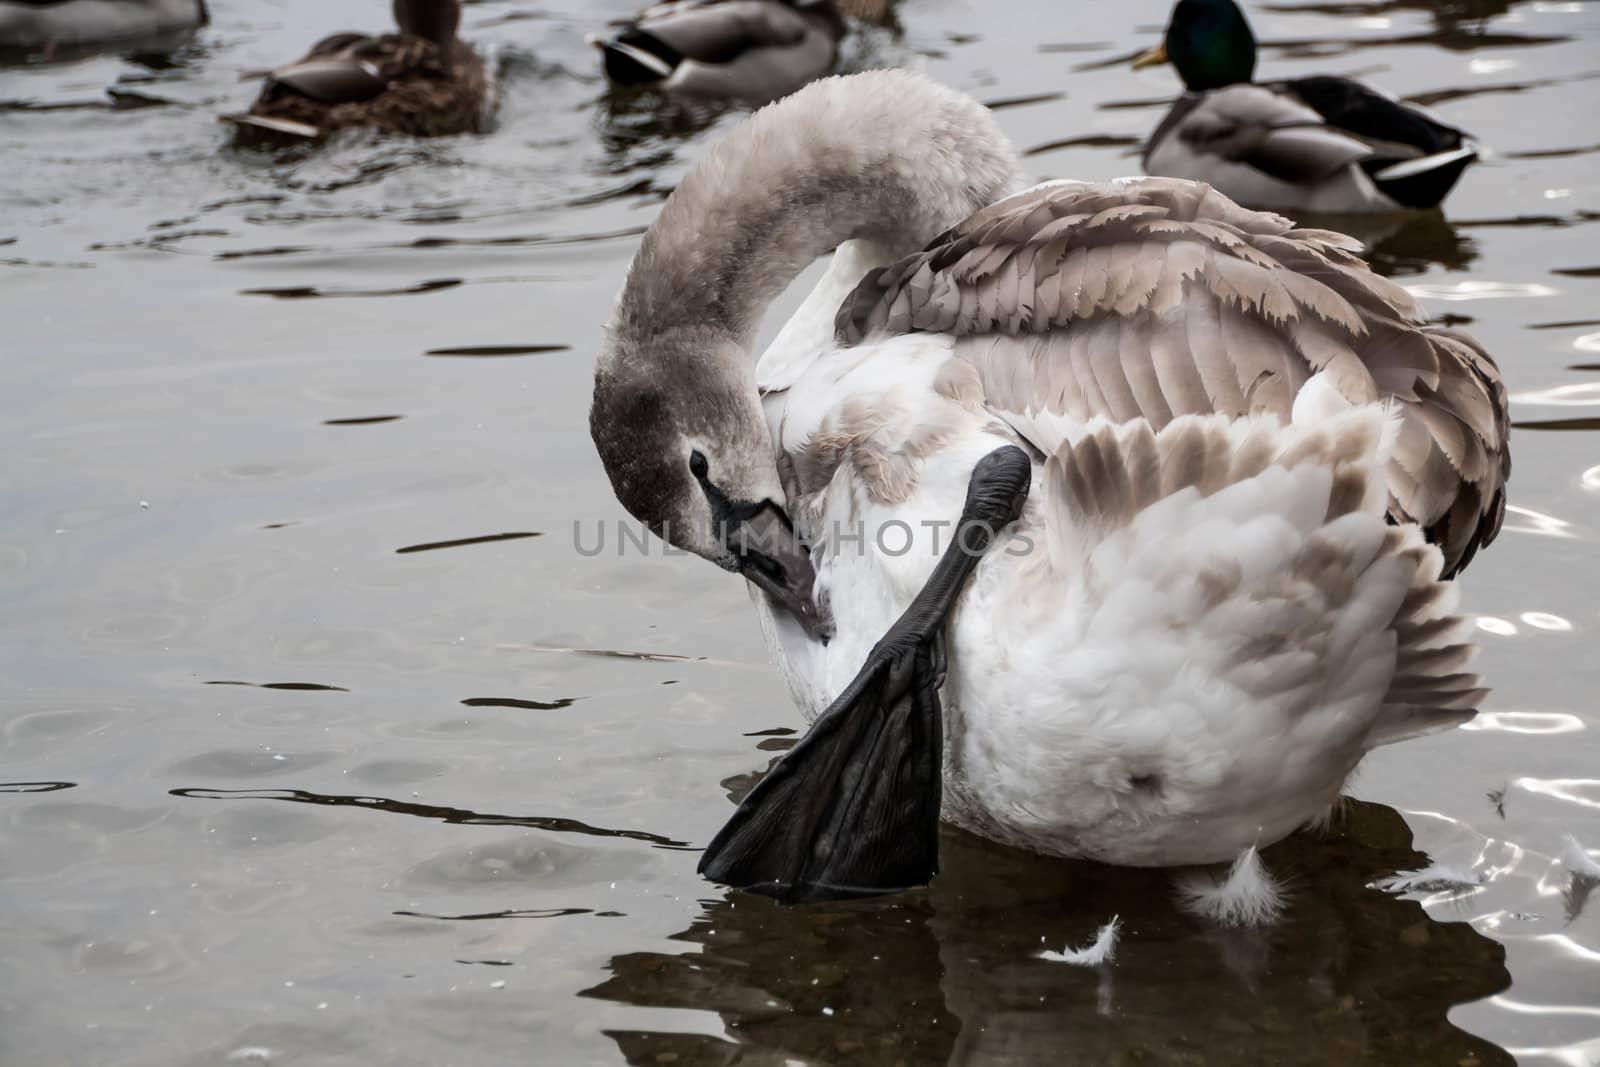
x=322, y=743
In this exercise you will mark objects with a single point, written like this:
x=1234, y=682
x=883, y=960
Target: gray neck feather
x=885, y=156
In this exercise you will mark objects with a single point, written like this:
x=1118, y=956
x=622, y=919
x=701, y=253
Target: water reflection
x=496, y=351
x=1350, y=975
x=462, y=542
x=1528, y=521
x=299, y=687
x=362, y=420
x=521, y=704
x=1398, y=246
x=1558, y=424
x=305, y=292
x=459, y=816
x=510, y=913
x=1459, y=25
x=640, y=130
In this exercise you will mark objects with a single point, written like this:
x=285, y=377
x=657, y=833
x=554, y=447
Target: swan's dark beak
x=772, y=556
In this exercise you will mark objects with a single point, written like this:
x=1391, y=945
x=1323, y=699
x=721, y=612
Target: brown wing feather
x=1154, y=298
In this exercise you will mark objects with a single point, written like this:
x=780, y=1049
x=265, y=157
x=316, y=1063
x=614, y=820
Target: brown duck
x=423, y=81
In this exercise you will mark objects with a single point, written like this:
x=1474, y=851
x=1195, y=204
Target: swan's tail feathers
x=1433, y=688
x=853, y=809
x=1268, y=546
x=1423, y=182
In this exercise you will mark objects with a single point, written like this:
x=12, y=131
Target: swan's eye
x=697, y=464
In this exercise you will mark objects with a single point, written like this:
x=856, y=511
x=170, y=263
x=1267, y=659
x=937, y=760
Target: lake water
x=325, y=744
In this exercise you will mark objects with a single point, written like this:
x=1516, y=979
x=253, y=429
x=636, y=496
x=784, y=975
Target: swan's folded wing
x=1329, y=576
x=1080, y=304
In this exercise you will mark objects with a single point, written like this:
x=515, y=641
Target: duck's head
x=688, y=452
x=434, y=20
x=1209, y=42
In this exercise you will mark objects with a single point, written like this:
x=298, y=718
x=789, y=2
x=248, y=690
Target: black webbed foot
x=853, y=809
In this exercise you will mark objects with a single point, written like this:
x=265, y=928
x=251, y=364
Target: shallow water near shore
x=325, y=738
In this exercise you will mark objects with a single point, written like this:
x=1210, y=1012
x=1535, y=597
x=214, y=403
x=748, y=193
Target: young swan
x=1227, y=441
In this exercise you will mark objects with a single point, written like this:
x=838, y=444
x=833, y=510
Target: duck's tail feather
x=631, y=62
x=285, y=127
x=1424, y=182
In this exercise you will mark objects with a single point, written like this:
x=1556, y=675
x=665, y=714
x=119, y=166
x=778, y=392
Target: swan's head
x=689, y=455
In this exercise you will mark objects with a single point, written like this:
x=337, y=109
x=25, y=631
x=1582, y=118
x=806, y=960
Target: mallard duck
x=1322, y=143
x=423, y=81
x=1107, y=520
x=46, y=26
x=736, y=49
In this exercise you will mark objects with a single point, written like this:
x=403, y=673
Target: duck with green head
x=1322, y=144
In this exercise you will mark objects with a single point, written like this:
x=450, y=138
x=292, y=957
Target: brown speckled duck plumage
x=423, y=81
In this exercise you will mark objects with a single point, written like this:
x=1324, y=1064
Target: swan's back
x=1149, y=299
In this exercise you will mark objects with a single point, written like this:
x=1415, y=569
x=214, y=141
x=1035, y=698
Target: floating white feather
x=1434, y=879
x=1093, y=955
x=1248, y=896
x=1577, y=860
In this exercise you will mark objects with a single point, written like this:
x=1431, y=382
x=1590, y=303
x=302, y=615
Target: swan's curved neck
x=886, y=157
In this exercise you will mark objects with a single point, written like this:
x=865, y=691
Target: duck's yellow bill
x=1153, y=58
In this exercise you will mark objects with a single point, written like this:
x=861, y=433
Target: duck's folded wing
x=721, y=32
x=1395, y=129
x=333, y=80
x=1263, y=127
x=1080, y=304
x=1415, y=159
x=337, y=43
